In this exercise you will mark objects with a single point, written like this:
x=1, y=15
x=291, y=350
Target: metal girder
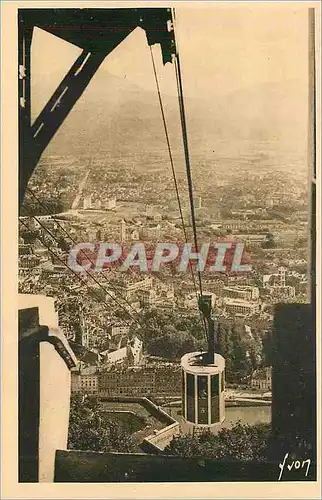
x=24, y=104
x=93, y=29
x=63, y=99
x=98, y=32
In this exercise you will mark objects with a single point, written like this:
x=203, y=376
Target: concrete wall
x=95, y=467
x=156, y=411
x=46, y=308
x=152, y=408
x=55, y=387
x=155, y=443
x=45, y=360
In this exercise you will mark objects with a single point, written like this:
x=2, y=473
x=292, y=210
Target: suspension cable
x=137, y=321
x=172, y=164
x=81, y=250
x=86, y=270
x=177, y=66
x=187, y=159
x=203, y=321
x=72, y=270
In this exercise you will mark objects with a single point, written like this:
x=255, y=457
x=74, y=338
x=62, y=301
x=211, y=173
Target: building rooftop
x=240, y=302
x=192, y=362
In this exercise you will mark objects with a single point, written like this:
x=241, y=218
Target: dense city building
x=262, y=378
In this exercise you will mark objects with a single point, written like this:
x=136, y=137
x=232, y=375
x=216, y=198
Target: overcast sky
x=223, y=48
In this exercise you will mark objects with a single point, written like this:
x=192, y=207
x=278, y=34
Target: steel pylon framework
x=97, y=32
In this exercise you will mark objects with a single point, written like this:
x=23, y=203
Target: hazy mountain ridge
x=118, y=114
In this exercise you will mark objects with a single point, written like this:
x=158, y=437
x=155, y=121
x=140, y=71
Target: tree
x=47, y=206
x=169, y=335
x=268, y=346
x=63, y=244
x=221, y=339
x=254, y=357
x=89, y=432
x=240, y=362
x=28, y=236
x=269, y=241
x=233, y=347
x=172, y=344
x=243, y=442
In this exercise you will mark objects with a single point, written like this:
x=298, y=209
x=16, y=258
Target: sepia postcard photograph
x=160, y=262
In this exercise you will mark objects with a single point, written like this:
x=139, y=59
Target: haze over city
x=169, y=362
x=245, y=74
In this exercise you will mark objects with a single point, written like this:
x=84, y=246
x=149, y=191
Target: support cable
x=172, y=165
x=177, y=190
x=99, y=299
x=81, y=250
x=86, y=270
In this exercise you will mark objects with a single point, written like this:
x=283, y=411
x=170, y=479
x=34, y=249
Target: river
x=247, y=414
